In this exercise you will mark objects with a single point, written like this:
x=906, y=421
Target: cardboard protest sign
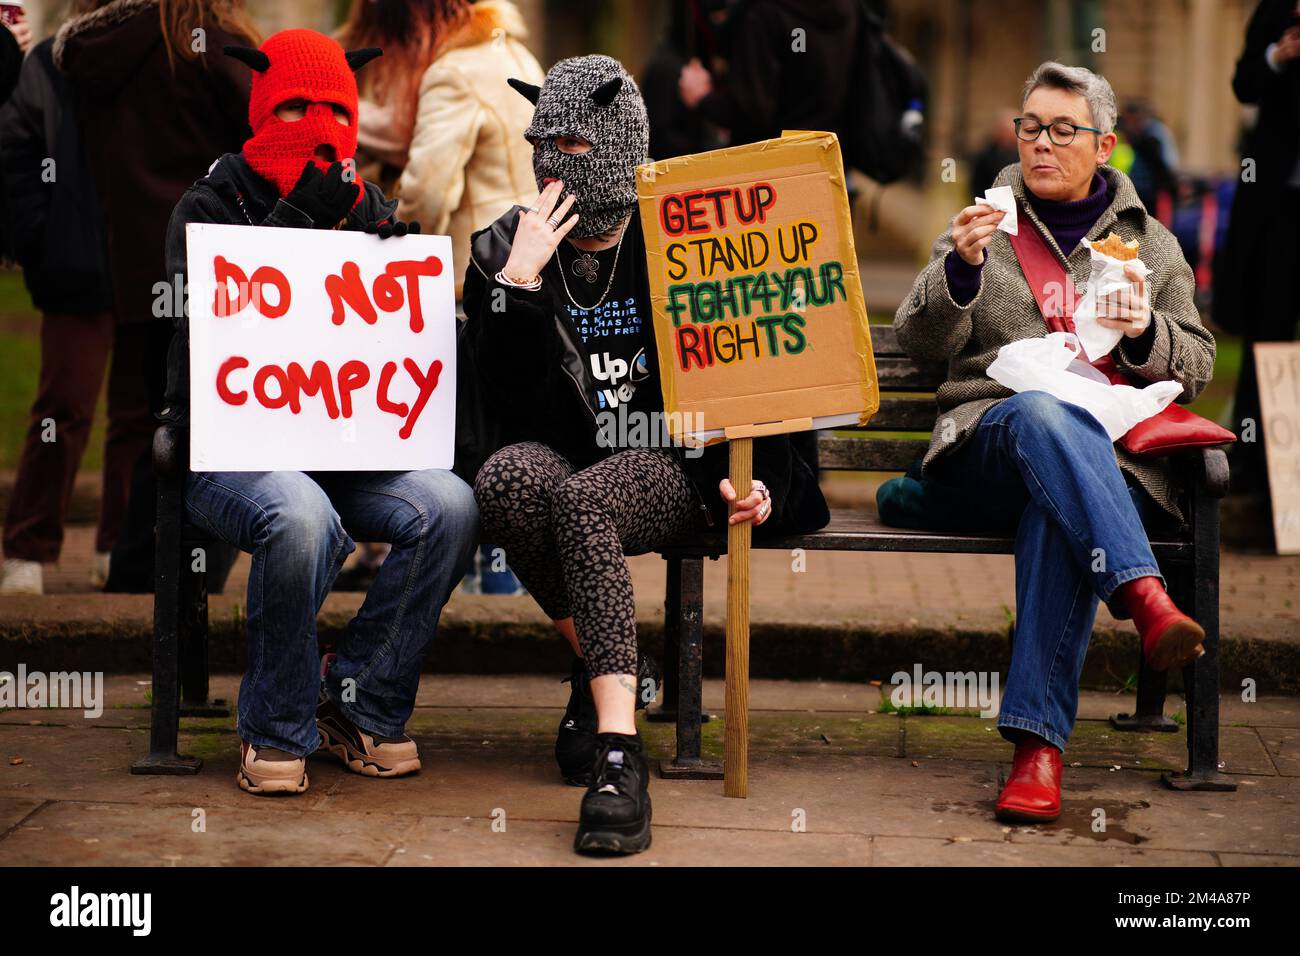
x=1278, y=371
x=760, y=325
x=758, y=307
x=317, y=350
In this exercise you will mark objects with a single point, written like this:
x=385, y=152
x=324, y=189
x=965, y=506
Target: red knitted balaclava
x=300, y=64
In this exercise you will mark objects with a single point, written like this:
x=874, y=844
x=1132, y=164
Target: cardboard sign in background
x=276, y=383
x=729, y=235
x=1278, y=371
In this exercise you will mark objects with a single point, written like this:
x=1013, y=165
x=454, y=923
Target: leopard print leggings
x=565, y=534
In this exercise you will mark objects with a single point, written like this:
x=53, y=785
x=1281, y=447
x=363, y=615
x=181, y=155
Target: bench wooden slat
x=901, y=415
x=862, y=530
x=862, y=454
x=884, y=342
x=903, y=375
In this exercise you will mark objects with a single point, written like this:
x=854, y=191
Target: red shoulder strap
x=1046, y=276
x=1052, y=288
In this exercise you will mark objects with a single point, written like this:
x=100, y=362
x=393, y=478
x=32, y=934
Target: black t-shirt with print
x=618, y=332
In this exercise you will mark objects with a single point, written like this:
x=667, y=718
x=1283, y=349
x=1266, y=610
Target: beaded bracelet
x=531, y=286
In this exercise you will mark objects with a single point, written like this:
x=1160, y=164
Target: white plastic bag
x=1043, y=365
x=1107, y=276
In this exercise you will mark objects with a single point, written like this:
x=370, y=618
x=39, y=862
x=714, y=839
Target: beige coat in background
x=469, y=161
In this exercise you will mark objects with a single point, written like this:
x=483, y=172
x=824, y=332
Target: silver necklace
x=591, y=277
x=586, y=267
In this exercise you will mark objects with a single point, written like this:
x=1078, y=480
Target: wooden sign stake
x=735, y=761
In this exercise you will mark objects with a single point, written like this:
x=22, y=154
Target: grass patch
x=887, y=706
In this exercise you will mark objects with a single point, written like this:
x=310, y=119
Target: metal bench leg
x=666, y=710
x=690, y=690
x=1149, y=715
x=1201, y=678
x=194, y=643
x=165, y=717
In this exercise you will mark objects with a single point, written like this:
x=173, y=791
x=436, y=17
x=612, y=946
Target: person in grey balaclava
x=564, y=430
x=592, y=98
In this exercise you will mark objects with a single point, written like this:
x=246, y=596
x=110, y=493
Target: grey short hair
x=1093, y=87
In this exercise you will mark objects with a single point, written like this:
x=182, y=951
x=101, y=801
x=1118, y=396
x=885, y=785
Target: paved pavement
x=833, y=781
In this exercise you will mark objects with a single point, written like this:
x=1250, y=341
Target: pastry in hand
x=1116, y=248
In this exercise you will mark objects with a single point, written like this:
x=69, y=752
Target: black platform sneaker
x=615, y=816
x=575, y=742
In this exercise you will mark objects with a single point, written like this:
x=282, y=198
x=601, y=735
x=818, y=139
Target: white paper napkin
x=1001, y=197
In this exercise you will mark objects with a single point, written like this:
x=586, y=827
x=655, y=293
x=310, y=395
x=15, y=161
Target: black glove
x=324, y=197
x=391, y=227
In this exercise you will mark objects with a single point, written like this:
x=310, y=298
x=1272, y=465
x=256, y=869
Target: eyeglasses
x=1061, y=133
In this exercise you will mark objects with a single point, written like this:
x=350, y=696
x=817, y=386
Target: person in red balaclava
x=297, y=171
x=303, y=103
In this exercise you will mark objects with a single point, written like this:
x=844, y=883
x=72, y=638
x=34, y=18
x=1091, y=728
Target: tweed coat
x=931, y=326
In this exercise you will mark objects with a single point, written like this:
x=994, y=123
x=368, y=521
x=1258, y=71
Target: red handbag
x=1172, y=430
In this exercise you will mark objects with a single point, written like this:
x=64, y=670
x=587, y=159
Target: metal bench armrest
x=169, y=452
x=1214, y=471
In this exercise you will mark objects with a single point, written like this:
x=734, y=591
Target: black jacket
x=150, y=128
x=528, y=379
x=770, y=85
x=1273, y=145
x=53, y=219
x=232, y=194
x=11, y=61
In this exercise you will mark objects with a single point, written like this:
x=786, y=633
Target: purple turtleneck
x=1068, y=222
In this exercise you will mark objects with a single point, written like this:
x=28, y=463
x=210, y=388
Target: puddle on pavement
x=1076, y=819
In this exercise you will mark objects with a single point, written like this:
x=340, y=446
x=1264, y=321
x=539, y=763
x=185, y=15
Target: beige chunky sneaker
x=21, y=577
x=270, y=771
x=363, y=752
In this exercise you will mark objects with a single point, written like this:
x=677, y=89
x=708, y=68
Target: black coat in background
x=769, y=86
x=11, y=60
x=150, y=130
x=1256, y=294
x=53, y=219
x=1274, y=146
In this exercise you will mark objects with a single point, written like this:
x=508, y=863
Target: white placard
x=1277, y=367
x=353, y=370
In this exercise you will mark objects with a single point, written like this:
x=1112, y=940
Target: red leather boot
x=1169, y=637
x=1033, y=791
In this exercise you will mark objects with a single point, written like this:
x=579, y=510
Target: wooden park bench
x=1189, y=562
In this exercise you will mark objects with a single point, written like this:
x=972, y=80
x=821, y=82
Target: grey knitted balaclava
x=595, y=98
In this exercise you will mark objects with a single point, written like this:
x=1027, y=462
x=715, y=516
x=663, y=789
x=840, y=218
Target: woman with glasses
x=1079, y=505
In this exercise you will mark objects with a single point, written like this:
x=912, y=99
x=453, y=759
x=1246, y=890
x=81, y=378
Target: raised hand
x=324, y=197
x=537, y=233
x=973, y=229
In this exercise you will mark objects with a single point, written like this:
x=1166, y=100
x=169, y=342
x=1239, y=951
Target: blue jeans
x=299, y=528
x=1048, y=469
